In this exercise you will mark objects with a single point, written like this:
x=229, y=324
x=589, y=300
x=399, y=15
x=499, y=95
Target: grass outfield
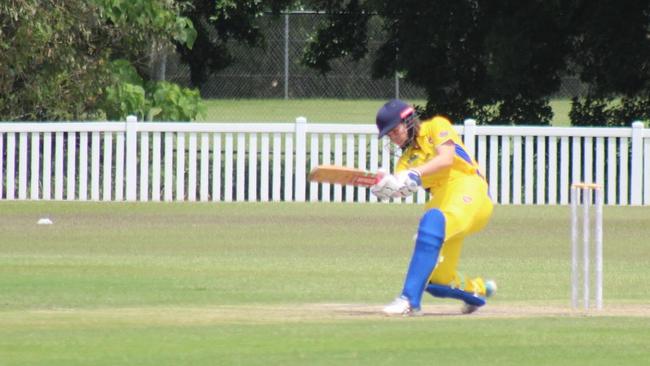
x=295, y=284
x=321, y=110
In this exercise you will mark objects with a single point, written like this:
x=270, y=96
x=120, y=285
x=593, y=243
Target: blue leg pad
x=455, y=293
x=431, y=233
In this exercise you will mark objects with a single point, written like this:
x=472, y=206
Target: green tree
x=217, y=22
x=612, y=54
x=494, y=60
x=47, y=68
x=499, y=61
x=57, y=59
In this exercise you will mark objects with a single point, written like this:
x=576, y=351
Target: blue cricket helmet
x=391, y=114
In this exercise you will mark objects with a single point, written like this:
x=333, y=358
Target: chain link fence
x=275, y=72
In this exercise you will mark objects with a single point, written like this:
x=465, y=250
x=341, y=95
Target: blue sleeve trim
x=416, y=178
x=463, y=154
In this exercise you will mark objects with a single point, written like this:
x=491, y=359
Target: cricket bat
x=343, y=175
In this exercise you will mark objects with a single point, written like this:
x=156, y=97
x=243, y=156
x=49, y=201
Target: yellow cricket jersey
x=433, y=133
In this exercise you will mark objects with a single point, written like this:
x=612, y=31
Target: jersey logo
x=467, y=199
x=443, y=134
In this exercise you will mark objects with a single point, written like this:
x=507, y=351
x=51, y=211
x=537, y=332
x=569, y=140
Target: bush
x=170, y=102
x=591, y=111
x=57, y=56
x=159, y=101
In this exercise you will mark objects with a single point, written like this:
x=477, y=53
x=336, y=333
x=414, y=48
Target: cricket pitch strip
x=288, y=313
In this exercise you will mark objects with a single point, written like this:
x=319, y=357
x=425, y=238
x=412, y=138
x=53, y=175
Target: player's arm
x=409, y=180
x=444, y=159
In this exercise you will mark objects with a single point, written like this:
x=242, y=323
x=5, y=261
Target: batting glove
x=408, y=182
x=385, y=188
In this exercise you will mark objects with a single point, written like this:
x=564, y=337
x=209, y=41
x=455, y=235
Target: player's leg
x=466, y=214
x=473, y=294
x=461, y=215
x=447, y=282
x=431, y=233
x=466, y=205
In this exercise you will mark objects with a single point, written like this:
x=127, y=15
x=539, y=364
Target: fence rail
x=116, y=161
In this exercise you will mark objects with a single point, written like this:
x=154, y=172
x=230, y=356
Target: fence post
x=131, y=157
x=469, y=134
x=637, y=163
x=286, y=56
x=301, y=158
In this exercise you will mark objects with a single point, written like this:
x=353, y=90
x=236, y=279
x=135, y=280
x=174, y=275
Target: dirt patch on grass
x=269, y=314
x=543, y=311
x=492, y=311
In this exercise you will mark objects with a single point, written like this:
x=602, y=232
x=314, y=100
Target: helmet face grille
x=411, y=123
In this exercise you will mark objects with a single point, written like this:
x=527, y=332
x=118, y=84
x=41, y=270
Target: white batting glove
x=385, y=188
x=408, y=182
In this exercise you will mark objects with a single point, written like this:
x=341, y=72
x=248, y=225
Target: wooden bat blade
x=343, y=175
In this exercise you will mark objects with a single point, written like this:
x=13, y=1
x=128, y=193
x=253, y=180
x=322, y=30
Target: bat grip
x=379, y=176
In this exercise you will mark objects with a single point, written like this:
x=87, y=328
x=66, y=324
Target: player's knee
x=431, y=231
x=432, y=223
x=441, y=275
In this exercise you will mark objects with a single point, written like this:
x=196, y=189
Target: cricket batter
x=434, y=157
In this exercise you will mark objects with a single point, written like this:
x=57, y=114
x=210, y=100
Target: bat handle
x=379, y=176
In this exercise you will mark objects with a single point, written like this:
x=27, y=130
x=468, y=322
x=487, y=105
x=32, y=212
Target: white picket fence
x=116, y=161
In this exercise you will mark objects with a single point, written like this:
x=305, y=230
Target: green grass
x=294, y=284
x=561, y=109
x=321, y=110
x=280, y=110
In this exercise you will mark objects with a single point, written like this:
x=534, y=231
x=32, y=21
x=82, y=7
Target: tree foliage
x=612, y=54
x=217, y=22
x=56, y=56
x=341, y=40
x=478, y=58
x=500, y=61
x=48, y=69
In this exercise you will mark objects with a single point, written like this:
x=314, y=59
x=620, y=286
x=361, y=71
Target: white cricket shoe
x=401, y=306
x=490, y=290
